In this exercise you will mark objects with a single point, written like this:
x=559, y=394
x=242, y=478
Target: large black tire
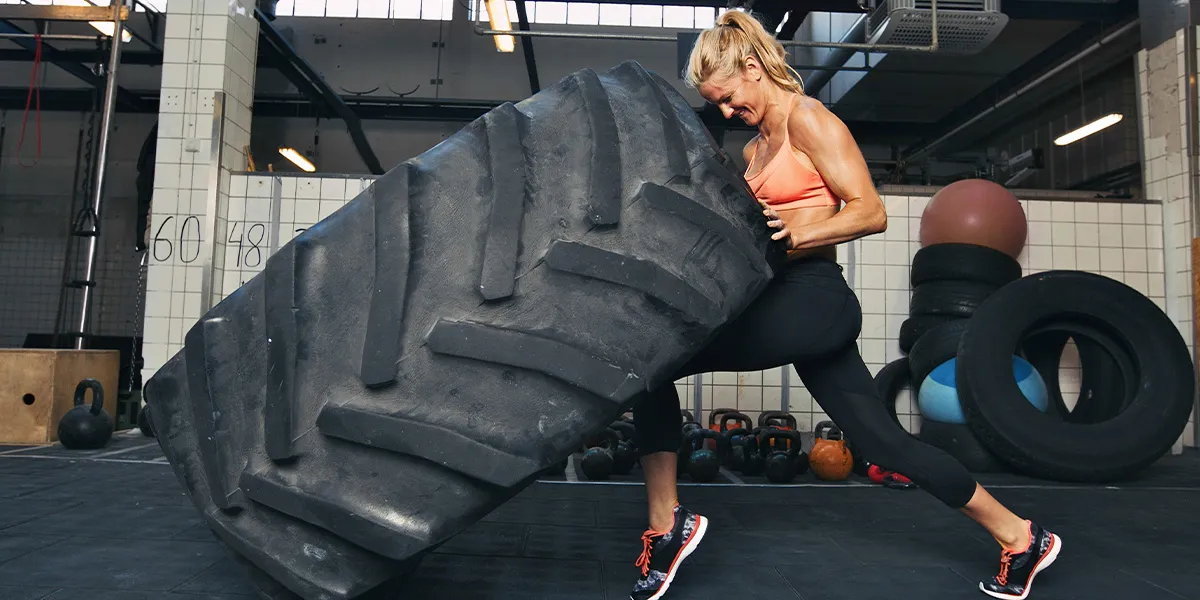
x=411, y=362
x=1045, y=445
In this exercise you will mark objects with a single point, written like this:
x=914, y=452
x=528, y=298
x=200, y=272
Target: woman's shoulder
x=809, y=122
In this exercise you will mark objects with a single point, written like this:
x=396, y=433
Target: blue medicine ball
x=937, y=398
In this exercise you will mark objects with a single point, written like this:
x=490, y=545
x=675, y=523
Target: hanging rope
x=33, y=88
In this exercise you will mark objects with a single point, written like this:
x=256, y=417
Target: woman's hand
x=774, y=221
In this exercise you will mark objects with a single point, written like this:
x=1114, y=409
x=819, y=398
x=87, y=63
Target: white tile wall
x=1162, y=82
x=1118, y=240
x=210, y=47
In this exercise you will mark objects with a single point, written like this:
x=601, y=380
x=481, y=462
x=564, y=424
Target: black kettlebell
x=143, y=421
x=753, y=463
x=704, y=464
x=597, y=463
x=625, y=455
x=786, y=459
x=736, y=442
x=685, y=449
x=735, y=454
x=86, y=427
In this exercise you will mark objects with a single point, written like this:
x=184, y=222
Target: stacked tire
x=1136, y=391
x=950, y=281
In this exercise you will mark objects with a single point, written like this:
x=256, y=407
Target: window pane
x=682, y=17
x=643, y=15
x=552, y=12
x=614, y=14
x=406, y=9
x=431, y=10
x=310, y=8
x=342, y=8
x=373, y=9
x=447, y=10
x=706, y=16
x=285, y=8
x=581, y=13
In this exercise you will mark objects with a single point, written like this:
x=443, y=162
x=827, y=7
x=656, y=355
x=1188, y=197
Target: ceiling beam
x=390, y=108
x=950, y=127
x=85, y=74
x=535, y=86
x=318, y=88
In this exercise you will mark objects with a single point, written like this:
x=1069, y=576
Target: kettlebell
x=143, y=421
x=781, y=465
x=829, y=458
x=597, y=463
x=778, y=419
x=625, y=455
x=735, y=446
x=703, y=464
x=714, y=418
x=86, y=427
x=685, y=449
x=754, y=457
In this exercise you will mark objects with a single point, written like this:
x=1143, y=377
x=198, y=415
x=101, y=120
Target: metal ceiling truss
x=52, y=55
x=402, y=109
x=1064, y=53
x=311, y=84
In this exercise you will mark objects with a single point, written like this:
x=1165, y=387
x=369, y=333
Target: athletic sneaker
x=663, y=552
x=1017, y=569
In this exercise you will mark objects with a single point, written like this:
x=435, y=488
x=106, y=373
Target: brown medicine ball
x=975, y=211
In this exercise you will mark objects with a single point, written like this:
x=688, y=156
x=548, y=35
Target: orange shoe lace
x=643, y=561
x=1005, y=560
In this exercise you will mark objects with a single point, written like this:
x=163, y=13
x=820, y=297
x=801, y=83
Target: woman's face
x=739, y=96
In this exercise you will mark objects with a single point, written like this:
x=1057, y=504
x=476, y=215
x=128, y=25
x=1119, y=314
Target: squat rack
x=116, y=12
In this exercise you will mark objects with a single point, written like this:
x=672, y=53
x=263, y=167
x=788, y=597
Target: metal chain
x=138, y=319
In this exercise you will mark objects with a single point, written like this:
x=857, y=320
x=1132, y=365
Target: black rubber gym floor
x=114, y=525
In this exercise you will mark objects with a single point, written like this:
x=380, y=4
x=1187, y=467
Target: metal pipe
x=920, y=152
x=932, y=47
x=836, y=59
x=110, y=101
x=697, y=395
x=53, y=36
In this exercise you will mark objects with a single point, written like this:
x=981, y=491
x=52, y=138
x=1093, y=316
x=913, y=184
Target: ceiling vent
x=964, y=26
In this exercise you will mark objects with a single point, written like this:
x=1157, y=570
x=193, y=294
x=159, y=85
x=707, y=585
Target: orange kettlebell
x=829, y=459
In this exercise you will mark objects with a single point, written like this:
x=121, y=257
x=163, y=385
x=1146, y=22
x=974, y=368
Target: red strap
x=33, y=86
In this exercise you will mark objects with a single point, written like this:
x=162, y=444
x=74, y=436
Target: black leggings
x=809, y=317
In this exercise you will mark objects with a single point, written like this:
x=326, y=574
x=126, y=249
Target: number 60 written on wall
x=186, y=246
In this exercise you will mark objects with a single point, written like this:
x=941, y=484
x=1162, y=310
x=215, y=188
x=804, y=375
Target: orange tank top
x=786, y=183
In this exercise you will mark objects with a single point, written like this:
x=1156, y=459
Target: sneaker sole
x=688, y=548
x=1042, y=565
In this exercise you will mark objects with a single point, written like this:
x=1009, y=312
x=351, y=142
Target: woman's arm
x=827, y=141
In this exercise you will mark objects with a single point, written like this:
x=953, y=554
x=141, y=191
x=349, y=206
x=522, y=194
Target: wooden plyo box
x=37, y=387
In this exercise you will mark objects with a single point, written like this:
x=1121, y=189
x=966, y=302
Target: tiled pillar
x=1164, y=115
x=210, y=53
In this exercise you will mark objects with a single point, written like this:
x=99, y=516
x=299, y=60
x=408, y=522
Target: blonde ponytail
x=720, y=50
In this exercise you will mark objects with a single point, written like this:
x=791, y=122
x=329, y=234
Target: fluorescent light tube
x=498, y=15
x=1093, y=127
x=297, y=159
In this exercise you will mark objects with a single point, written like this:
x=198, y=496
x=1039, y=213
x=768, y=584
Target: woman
x=800, y=164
